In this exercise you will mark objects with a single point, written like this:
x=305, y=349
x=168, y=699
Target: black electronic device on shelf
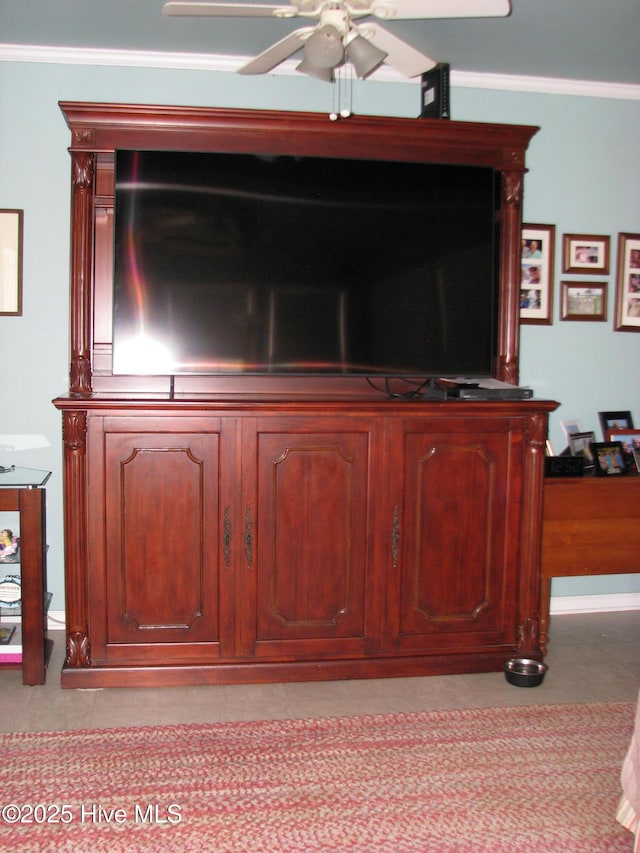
x=483, y=388
x=435, y=93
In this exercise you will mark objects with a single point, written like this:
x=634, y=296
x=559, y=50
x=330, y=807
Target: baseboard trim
x=56, y=620
x=565, y=604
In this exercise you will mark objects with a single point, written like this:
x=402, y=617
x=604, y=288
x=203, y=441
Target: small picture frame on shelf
x=615, y=420
x=630, y=440
x=609, y=458
x=570, y=427
x=583, y=300
x=587, y=254
x=628, y=284
x=536, y=274
x=580, y=445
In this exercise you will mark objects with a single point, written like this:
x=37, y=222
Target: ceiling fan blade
x=178, y=8
x=425, y=9
x=277, y=53
x=400, y=55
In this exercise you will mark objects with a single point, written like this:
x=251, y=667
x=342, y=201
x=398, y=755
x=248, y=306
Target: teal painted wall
x=583, y=177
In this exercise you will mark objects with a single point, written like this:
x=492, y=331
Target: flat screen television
x=230, y=263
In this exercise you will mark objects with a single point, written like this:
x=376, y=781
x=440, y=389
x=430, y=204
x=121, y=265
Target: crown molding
x=118, y=58
x=546, y=85
x=214, y=62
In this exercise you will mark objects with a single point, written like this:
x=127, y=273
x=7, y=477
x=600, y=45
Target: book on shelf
x=11, y=650
x=6, y=633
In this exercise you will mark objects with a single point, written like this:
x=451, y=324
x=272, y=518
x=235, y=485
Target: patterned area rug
x=499, y=780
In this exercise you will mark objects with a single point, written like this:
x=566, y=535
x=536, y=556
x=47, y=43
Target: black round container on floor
x=524, y=672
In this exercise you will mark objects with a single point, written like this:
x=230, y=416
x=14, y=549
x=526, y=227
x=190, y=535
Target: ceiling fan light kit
x=324, y=48
x=325, y=73
x=336, y=38
x=364, y=56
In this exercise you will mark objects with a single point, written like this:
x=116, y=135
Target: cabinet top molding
x=104, y=127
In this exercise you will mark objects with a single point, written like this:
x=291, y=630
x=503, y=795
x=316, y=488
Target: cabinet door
x=457, y=521
x=313, y=547
x=155, y=517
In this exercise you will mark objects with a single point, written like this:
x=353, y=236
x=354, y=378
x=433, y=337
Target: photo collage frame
x=583, y=299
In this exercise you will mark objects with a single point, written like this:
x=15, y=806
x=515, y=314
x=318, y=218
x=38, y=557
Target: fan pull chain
x=342, y=92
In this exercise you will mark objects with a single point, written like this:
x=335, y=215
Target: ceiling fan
x=337, y=37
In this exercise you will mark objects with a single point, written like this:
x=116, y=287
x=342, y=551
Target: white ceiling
x=586, y=40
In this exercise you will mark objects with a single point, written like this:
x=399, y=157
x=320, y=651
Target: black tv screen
x=239, y=263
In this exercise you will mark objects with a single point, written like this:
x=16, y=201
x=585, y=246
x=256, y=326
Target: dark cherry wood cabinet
x=224, y=529
x=306, y=540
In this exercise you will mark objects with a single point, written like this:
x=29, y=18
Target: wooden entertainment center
x=223, y=529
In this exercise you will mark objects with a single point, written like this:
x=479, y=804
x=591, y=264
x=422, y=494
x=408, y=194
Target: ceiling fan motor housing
x=379, y=8
x=337, y=17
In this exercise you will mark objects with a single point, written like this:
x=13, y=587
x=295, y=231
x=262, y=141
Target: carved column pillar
x=74, y=433
x=510, y=262
x=531, y=535
x=83, y=170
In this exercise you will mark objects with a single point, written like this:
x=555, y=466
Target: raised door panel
x=312, y=549
x=161, y=545
x=457, y=589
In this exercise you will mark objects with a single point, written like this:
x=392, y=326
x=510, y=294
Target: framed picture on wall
x=585, y=253
x=536, y=274
x=11, y=262
x=583, y=300
x=628, y=284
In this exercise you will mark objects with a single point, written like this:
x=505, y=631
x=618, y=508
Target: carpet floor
x=501, y=780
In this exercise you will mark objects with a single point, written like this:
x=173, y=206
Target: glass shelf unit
x=22, y=492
